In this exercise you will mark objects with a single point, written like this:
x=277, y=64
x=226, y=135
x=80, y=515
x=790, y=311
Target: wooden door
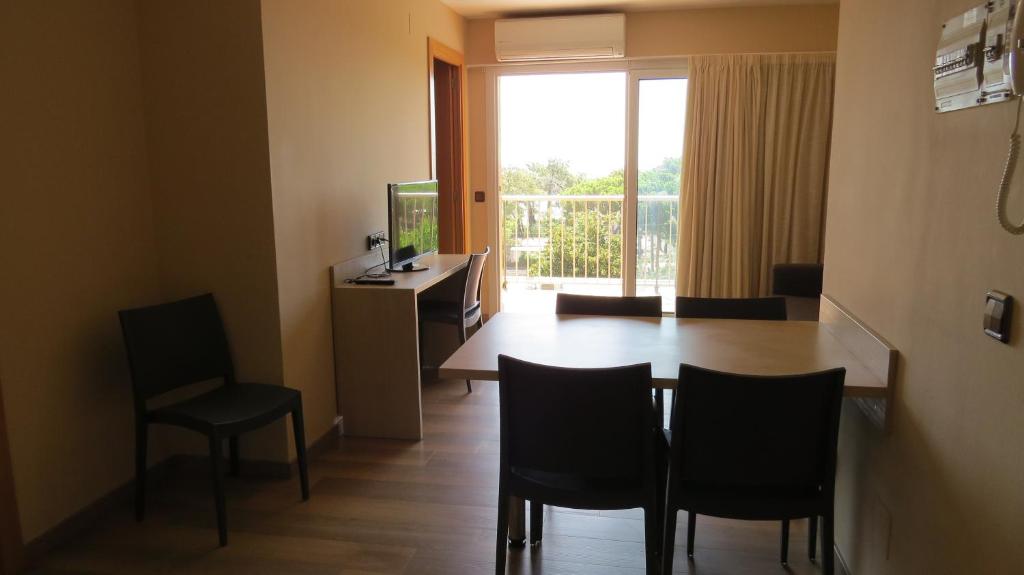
x=447, y=144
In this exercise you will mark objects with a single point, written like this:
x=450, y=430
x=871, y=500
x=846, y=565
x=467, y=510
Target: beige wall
x=648, y=35
x=912, y=246
x=207, y=137
x=76, y=244
x=346, y=86
x=807, y=28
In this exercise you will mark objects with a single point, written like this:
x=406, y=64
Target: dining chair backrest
x=798, y=280
x=745, y=431
x=474, y=271
x=764, y=308
x=593, y=423
x=175, y=344
x=644, y=306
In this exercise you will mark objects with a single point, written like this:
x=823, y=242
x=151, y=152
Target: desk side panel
x=377, y=362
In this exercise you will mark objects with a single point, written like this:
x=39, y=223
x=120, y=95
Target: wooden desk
x=740, y=346
x=376, y=346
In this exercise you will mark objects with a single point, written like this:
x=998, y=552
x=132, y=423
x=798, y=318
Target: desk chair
x=754, y=447
x=463, y=314
x=177, y=344
x=579, y=438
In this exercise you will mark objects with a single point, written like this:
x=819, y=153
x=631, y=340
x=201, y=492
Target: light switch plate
x=998, y=312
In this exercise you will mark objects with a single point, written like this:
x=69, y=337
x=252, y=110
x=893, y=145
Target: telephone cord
x=1004, y=184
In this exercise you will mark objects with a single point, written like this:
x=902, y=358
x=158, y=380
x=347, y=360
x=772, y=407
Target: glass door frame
x=636, y=70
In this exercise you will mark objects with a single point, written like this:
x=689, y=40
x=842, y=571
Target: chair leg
x=141, y=445
x=671, y=406
x=233, y=454
x=652, y=539
x=812, y=537
x=691, y=529
x=501, y=545
x=828, y=549
x=462, y=340
x=217, y=470
x=784, y=556
x=659, y=406
x=299, y=429
x=536, y=522
x=668, y=541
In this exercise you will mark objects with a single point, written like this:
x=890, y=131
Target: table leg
x=516, y=521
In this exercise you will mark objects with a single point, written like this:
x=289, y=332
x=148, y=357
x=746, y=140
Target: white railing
x=548, y=238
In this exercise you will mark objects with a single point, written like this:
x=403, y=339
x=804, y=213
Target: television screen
x=412, y=211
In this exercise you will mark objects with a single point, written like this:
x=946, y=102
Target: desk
x=740, y=346
x=376, y=345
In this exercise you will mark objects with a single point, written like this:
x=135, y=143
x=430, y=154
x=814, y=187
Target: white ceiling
x=504, y=8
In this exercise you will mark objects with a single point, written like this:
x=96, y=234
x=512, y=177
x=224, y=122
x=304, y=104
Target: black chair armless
x=462, y=314
x=579, y=438
x=764, y=308
x=754, y=447
x=177, y=344
x=575, y=304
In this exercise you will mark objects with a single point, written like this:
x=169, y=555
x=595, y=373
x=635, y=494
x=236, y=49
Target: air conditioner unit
x=560, y=38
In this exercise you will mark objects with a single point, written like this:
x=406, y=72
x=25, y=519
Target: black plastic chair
x=579, y=438
x=801, y=285
x=754, y=447
x=177, y=344
x=766, y=308
x=620, y=306
x=462, y=314
x=574, y=304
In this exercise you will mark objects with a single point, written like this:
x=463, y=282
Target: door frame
x=459, y=115
x=635, y=69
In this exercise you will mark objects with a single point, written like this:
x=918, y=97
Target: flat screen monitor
x=412, y=223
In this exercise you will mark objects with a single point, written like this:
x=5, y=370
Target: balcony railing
x=548, y=238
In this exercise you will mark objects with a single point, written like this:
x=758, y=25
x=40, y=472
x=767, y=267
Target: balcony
x=574, y=244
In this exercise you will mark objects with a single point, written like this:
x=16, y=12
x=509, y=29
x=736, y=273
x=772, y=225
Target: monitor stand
x=410, y=267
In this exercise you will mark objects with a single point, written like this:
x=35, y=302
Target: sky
x=581, y=118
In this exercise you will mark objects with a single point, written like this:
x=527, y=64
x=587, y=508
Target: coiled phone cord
x=1004, y=184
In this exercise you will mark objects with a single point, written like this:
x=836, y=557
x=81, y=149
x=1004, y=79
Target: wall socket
x=373, y=240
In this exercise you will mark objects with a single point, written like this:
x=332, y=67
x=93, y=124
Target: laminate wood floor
x=397, y=507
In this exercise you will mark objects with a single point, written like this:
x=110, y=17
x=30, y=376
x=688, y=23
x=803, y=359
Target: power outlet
x=373, y=240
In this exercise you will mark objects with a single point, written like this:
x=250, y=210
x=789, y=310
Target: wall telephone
x=979, y=61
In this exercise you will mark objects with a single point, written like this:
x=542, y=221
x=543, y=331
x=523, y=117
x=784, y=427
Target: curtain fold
x=755, y=170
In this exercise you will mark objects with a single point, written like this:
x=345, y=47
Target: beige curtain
x=755, y=170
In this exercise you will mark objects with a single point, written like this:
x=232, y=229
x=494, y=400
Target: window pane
x=662, y=124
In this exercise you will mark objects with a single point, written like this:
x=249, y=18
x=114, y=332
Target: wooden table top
x=738, y=346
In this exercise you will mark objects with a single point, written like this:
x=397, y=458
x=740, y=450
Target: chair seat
x=448, y=312
x=230, y=408
x=745, y=501
x=576, y=491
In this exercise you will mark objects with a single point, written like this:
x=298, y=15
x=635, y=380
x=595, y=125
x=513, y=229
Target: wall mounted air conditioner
x=560, y=38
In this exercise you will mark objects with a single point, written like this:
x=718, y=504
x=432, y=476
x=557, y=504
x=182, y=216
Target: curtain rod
x=640, y=59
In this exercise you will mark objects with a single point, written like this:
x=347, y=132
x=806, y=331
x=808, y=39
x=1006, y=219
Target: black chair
x=574, y=304
x=462, y=314
x=801, y=285
x=579, y=438
x=622, y=306
x=177, y=344
x=754, y=447
x=768, y=308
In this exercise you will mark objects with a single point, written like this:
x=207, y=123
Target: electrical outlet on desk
x=373, y=240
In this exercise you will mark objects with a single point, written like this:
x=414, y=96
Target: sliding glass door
x=588, y=168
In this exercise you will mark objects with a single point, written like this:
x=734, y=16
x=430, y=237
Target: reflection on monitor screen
x=413, y=226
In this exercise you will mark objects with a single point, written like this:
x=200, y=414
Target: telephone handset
x=1015, y=64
